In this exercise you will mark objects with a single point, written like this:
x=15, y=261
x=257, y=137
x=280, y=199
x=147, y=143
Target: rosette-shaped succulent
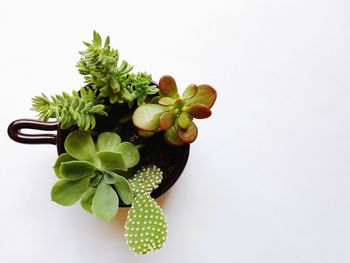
x=173, y=113
x=93, y=172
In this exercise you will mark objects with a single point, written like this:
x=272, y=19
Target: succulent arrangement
x=101, y=166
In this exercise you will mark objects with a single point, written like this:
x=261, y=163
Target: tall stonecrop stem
x=106, y=80
x=78, y=108
x=174, y=114
x=99, y=64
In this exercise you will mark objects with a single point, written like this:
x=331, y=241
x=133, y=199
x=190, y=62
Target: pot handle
x=14, y=131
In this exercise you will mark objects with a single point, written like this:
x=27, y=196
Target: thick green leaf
x=171, y=137
x=167, y=119
x=198, y=111
x=74, y=170
x=105, y=202
x=97, y=39
x=205, y=95
x=108, y=141
x=67, y=192
x=168, y=87
x=183, y=120
x=146, y=117
x=123, y=189
x=146, y=225
x=188, y=135
x=96, y=180
x=145, y=134
x=130, y=153
x=189, y=92
x=111, y=161
x=166, y=101
x=109, y=179
x=64, y=157
x=86, y=199
x=80, y=145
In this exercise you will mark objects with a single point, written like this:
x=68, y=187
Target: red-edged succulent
x=173, y=113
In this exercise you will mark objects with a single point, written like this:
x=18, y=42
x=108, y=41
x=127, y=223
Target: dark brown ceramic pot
x=171, y=159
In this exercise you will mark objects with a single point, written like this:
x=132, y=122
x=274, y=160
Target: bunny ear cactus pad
x=174, y=114
x=146, y=225
x=146, y=180
x=89, y=172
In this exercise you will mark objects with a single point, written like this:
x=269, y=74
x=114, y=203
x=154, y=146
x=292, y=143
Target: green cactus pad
x=146, y=225
x=146, y=180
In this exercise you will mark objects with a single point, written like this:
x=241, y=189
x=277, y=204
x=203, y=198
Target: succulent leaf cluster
x=173, y=113
x=78, y=108
x=146, y=224
x=95, y=172
x=101, y=69
x=92, y=172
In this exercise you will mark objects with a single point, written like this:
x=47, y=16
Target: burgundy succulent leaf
x=205, y=95
x=198, y=111
x=188, y=135
x=168, y=87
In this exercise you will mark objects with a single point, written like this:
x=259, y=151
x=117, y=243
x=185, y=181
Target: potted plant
x=122, y=140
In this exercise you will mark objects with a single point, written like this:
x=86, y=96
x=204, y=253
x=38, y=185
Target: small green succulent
x=174, y=114
x=101, y=69
x=92, y=172
x=146, y=225
x=78, y=108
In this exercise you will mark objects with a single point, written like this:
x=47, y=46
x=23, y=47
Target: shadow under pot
x=154, y=150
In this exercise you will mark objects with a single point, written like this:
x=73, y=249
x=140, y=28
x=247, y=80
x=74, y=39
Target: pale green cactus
x=146, y=225
x=146, y=180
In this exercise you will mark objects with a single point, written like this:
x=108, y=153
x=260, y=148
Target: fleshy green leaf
x=67, y=192
x=146, y=117
x=96, y=180
x=145, y=134
x=86, y=199
x=183, y=120
x=188, y=135
x=74, y=170
x=166, y=101
x=64, y=157
x=97, y=39
x=146, y=225
x=168, y=87
x=111, y=161
x=198, y=111
x=109, y=179
x=130, y=153
x=205, y=95
x=189, y=92
x=167, y=119
x=146, y=180
x=105, y=202
x=171, y=137
x=79, y=144
x=108, y=141
x=122, y=186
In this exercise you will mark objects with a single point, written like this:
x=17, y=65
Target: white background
x=268, y=178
